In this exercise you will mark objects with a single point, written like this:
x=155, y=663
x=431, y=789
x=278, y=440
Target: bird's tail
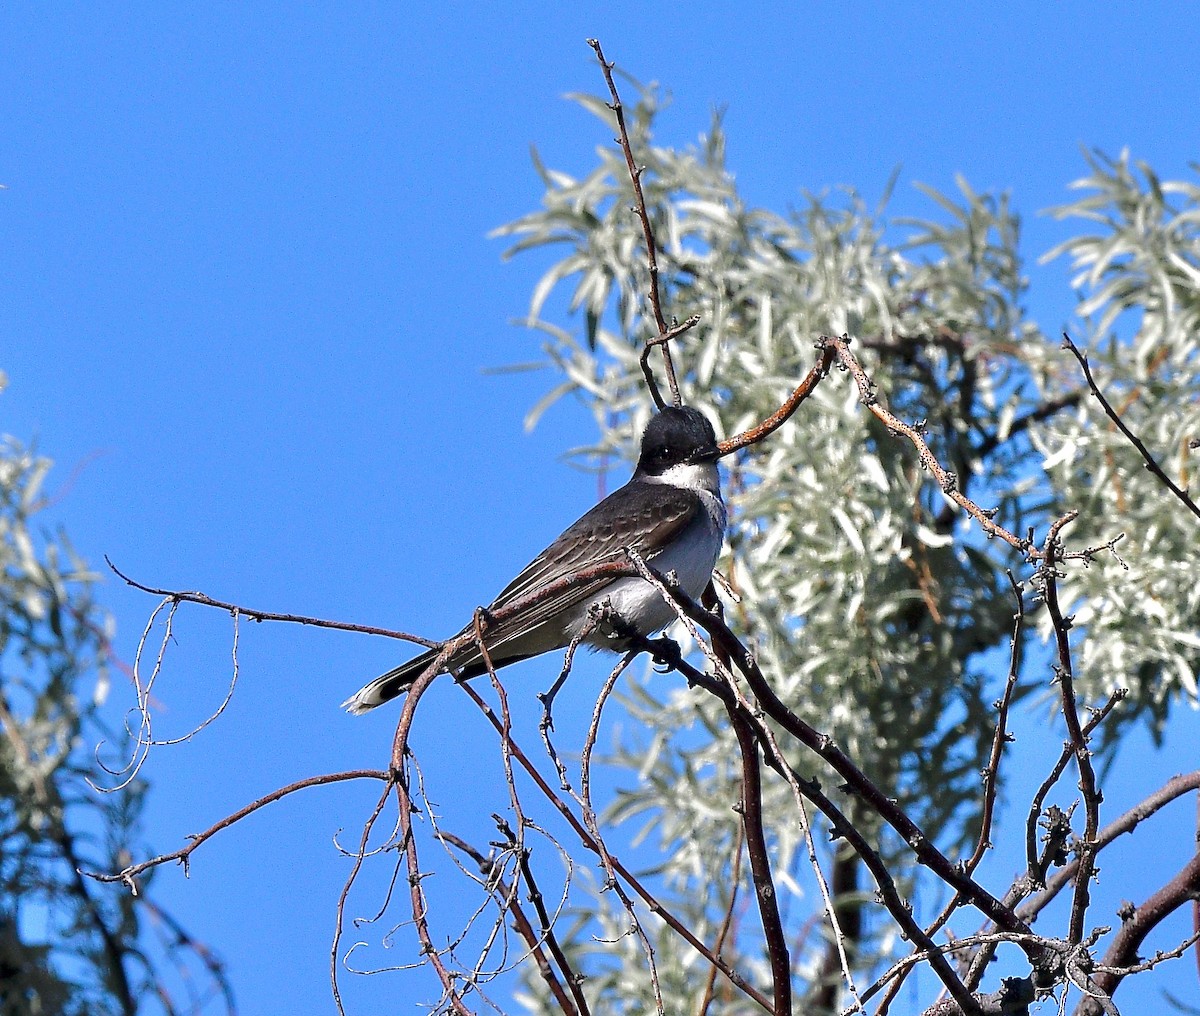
x=388, y=686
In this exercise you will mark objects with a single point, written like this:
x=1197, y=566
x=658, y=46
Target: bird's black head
x=677, y=435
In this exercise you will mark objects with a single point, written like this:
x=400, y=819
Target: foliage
x=67, y=945
x=1140, y=272
x=877, y=615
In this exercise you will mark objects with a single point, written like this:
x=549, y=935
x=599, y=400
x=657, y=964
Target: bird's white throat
x=698, y=476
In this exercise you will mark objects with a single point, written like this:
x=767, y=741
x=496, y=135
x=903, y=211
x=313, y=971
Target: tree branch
x=1112, y=414
x=1123, y=951
x=760, y=866
x=665, y=333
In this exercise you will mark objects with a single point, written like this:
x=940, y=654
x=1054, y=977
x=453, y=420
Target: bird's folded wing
x=646, y=521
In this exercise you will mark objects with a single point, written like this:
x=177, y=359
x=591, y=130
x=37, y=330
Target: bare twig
x=593, y=825
x=129, y=874
x=1174, y=788
x=655, y=906
x=506, y=898
x=947, y=481
x=790, y=405
x=725, y=646
x=1079, y=747
x=1036, y=869
x=990, y=783
x=359, y=857
x=1130, y=436
x=760, y=865
x=1058, y=831
x=857, y=781
x=516, y=840
x=184, y=596
x=409, y=840
x=143, y=737
x=665, y=332
x=735, y=881
x=1160, y=956
x=992, y=773
x=573, y=979
x=745, y=717
x=596, y=617
x=1121, y=958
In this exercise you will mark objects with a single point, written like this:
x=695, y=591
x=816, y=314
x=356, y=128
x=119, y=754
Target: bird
x=670, y=512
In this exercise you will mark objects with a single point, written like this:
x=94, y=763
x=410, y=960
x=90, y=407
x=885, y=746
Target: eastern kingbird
x=670, y=512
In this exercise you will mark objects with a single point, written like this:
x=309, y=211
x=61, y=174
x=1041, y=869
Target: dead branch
x=858, y=782
x=192, y=596
x=1174, y=788
x=506, y=898
x=735, y=881
x=359, y=857
x=947, y=481
x=990, y=784
x=726, y=647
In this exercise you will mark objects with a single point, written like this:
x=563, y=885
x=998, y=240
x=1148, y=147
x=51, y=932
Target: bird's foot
x=665, y=652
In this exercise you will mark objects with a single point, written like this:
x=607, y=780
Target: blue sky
x=247, y=285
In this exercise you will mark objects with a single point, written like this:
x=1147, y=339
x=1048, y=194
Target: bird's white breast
x=691, y=556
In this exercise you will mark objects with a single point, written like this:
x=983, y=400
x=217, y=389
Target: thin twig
x=585, y=837
x=400, y=751
x=858, y=782
x=1070, y=712
x=777, y=419
x=746, y=715
x=947, y=481
x=1174, y=788
x=1122, y=955
x=1160, y=956
x=506, y=899
x=1130, y=436
x=593, y=825
x=991, y=779
x=516, y=840
x=735, y=882
x=1036, y=869
x=596, y=616
x=724, y=648
x=573, y=979
x=192, y=596
x=129, y=874
x=359, y=857
x=760, y=865
x=665, y=333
